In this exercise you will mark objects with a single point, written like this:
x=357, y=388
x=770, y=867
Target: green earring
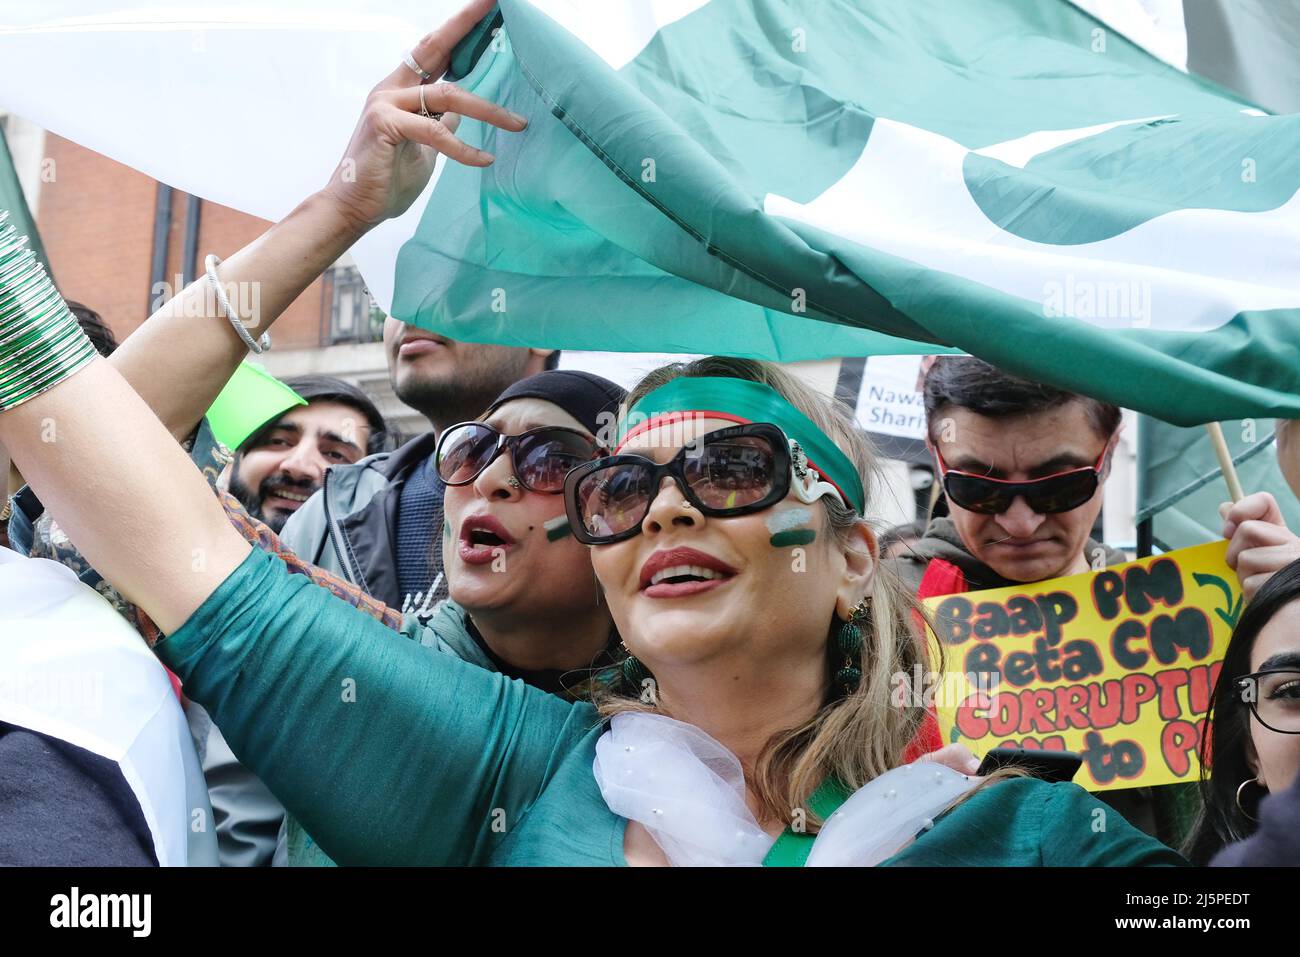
x=849, y=643
x=634, y=673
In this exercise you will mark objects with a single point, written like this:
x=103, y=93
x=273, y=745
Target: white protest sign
x=888, y=402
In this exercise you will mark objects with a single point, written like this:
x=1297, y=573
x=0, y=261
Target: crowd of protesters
x=521, y=638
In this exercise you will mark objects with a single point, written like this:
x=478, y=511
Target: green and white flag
x=772, y=178
x=787, y=179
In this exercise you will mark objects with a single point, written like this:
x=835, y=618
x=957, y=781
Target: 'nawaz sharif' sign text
x=1116, y=664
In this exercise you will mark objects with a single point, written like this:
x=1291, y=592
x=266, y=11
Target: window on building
x=350, y=315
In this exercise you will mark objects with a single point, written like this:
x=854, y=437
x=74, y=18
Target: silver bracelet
x=257, y=347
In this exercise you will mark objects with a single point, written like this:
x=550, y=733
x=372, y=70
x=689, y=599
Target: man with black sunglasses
x=1023, y=467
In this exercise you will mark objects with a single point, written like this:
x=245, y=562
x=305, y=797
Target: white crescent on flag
x=906, y=195
x=250, y=105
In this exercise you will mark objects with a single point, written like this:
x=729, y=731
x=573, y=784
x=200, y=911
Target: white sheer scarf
x=688, y=791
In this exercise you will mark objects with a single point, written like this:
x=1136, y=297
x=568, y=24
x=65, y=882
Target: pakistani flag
x=792, y=180
x=772, y=178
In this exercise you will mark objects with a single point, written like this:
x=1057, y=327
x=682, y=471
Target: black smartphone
x=1048, y=765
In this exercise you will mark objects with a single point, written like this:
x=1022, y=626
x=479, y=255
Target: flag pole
x=1225, y=460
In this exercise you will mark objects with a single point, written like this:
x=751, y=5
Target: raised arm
x=259, y=534
x=103, y=465
x=129, y=498
x=179, y=360
x=90, y=447
x=183, y=355
x=298, y=680
x=387, y=751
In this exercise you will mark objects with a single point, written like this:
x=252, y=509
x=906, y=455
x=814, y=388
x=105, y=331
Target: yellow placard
x=1117, y=665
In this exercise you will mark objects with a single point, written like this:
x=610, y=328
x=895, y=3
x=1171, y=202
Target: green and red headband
x=739, y=400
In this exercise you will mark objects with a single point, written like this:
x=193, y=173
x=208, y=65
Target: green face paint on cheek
x=446, y=527
x=793, y=536
x=557, y=528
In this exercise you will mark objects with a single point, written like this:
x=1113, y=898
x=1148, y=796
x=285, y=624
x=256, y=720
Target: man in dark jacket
x=1023, y=466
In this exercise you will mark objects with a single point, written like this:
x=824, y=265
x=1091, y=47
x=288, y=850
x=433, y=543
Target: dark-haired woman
x=1250, y=759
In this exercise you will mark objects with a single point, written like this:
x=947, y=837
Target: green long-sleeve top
x=390, y=752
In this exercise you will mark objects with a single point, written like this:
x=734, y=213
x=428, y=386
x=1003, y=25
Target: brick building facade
x=98, y=220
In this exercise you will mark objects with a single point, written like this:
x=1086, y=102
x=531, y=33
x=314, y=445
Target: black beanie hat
x=581, y=394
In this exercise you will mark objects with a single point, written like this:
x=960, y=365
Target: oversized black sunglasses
x=732, y=471
x=1052, y=494
x=541, y=456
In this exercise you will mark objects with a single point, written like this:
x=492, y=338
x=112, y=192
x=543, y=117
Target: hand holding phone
x=1051, y=766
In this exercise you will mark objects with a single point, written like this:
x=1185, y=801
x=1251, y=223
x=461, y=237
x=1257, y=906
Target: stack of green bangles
x=41, y=343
